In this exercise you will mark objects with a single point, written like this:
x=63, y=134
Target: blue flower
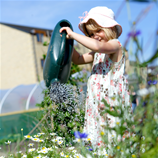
x=149, y=82
x=154, y=82
x=79, y=135
x=134, y=33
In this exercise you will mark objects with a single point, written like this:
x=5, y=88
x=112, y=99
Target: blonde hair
x=110, y=33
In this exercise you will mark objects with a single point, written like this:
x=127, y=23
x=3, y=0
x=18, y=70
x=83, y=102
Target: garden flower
x=53, y=134
x=32, y=149
x=71, y=148
x=41, y=140
x=31, y=144
x=54, y=140
x=74, y=151
x=78, y=156
x=35, y=139
x=60, y=142
x=44, y=151
x=59, y=138
x=24, y=156
x=55, y=147
x=154, y=82
x=133, y=155
x=28, y=136
x=8, y=142
x=88, y=139
x=79, y=135
x=49, y=149
x=62, y=154
x=39, y=156
x=134, y=33
x=40, y=133
x=77, y=140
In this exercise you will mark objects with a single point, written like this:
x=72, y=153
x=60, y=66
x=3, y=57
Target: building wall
x=17, y=58
x=40, y=51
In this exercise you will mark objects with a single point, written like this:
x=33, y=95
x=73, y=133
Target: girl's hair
x=110, y=33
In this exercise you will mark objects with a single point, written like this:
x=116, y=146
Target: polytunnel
x=18, y=108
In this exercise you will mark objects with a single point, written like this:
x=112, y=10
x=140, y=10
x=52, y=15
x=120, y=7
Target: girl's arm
x=102, y=46
x=82, y=59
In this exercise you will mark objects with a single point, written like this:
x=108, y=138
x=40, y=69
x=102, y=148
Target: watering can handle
x=63, y=45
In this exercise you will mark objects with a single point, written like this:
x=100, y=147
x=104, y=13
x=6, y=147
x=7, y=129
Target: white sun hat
x=103, y=16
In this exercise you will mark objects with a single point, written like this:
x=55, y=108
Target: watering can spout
x=58, y=59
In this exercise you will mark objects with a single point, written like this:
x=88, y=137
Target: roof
x=28, y=29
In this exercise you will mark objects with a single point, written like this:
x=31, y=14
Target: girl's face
x=98, y=34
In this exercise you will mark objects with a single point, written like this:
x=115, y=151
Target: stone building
x=21, y=54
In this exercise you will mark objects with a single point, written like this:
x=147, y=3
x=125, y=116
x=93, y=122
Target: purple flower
x=90, y=149
x=134, y=33
x=79, y=135
x=154, y=82
x=149, y=82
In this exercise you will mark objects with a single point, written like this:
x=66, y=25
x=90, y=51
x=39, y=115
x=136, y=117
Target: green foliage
x=63, y=118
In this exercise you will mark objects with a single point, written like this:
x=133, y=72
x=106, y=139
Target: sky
x=47, y=13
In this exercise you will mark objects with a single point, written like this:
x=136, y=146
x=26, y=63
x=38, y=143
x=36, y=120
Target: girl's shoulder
x=117, y=41
x=123, y=52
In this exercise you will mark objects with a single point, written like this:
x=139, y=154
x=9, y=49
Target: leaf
x=45, y=43
x=105, y=103
x=150, y=60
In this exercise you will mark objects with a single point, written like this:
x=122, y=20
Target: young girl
x=107, y=79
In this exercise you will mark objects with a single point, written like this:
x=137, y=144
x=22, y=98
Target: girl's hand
x=68, y=31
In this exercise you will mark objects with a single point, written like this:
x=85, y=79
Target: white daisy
x=71, y=148
x=35, y=139
x=53, y=134
x=28, y=136
x=8, y=142
x=32, y=149
x=62, y=154
x=31, y=144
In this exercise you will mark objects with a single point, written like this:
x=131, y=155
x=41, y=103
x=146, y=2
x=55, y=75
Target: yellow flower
x=88, y=139
x=117, y=123
x=28, y=136
x=118, y=147
x=67, y=156
x=106, y=154
x=133, y=155
x=102, y=133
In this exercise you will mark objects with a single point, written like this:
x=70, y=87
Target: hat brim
x=102, y=21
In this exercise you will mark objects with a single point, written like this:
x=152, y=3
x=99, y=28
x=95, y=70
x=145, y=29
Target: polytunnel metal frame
x=28, y=99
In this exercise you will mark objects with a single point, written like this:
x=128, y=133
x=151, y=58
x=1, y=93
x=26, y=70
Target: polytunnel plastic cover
x=22, y=97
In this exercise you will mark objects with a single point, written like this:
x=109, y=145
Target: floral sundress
x=106, y=81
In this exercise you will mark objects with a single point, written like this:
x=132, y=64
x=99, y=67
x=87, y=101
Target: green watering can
x=57, y=64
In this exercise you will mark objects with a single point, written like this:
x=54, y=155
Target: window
x=42, y=62
x=39, y=37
